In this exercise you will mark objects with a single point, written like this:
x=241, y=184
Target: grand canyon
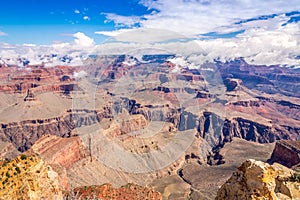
x=149, y=127
x=150, y=100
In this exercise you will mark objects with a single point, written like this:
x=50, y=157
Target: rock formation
x=28, y=177
x=60, y=154
x=60, y=151
x=29, y=96
x=269, y=79
x=24, y=134
x=286, y=153
x=259, y=180
x=231, y=84
x=37, y=79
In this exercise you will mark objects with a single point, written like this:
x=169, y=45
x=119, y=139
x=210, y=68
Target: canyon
x=153, y=123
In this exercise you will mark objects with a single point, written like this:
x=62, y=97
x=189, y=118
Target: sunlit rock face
x=29, y=177
x=259, y=180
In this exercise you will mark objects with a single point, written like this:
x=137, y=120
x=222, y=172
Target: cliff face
x=60, y=154
x=286, y=153
x=259, y=180
x=37, y=79
x=28, y=177
x=213, y=128
x=253, y=131
x=127, y=124
x=269, y=79
x=60, y=151
x=25, y=133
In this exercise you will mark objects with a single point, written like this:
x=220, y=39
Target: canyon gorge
x=149, y=128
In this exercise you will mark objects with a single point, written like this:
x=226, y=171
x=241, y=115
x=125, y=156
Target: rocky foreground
x=28, y=177
x=258, y=180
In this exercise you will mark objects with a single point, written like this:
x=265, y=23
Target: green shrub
x=295, y=177
x=18, y=170
x=23, y=157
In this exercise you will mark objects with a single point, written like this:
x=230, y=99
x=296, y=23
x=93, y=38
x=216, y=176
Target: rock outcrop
x=60, y=154
x=130, y=123
x=28, y=177
x=231, y=84
x=29, y=96
x=258, y=180
x=60, y=151
x=286, y=153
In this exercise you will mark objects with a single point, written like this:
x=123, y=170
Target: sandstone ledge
x=258, y=180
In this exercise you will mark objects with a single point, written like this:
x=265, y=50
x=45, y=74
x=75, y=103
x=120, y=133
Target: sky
x=263, y=31
x=45, y=21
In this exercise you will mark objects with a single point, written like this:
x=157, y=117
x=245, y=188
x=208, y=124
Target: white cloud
x=113, y=33
x=264, y=41
x=2, y=33
x=257, y=46
x=87, y=18
x=195, y=17
x=60, y=53
x=29, y=45
x=82, y=40
x=128, y=21
x=76, y=11
x=141, y=35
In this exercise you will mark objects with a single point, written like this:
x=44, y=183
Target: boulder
x=259, y=180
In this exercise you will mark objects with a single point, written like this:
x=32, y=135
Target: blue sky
x=48, y=21
x=44, y=21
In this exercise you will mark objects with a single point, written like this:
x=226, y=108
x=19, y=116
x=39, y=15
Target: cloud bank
x=263, y=32
x=196, y=17
x=62, y=53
